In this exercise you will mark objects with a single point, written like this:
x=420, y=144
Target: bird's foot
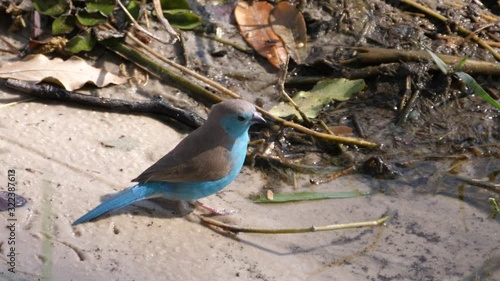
x=213, y=211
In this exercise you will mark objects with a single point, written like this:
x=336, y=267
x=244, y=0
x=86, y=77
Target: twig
x=335, y=175
x=479, y=29
x=282, y=162
x=138, y=26
x=479, y=183
x=304, y=80
x=164, y=21
x=408, y=107
x=156, y=106
x=406, y=94
x=277, y=198
x=185, y=70
x=358, y=126
x=367, y=56
x=146, y=63
x=325, y=127
x=319, y=135
x=459, y=27
x=281, y=89
x=225, y=42
x=496, y=144
x=237, y=229
x=412, y=162
x=13, y=49
x=146, y=17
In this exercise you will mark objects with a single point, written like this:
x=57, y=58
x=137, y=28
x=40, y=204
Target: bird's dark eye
x=241, y=118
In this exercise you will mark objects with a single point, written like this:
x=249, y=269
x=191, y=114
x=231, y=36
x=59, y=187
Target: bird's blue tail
x=124, y=198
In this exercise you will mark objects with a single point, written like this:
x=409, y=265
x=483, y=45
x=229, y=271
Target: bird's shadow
x=153, y=207
x=168, y=209
x=292, y=249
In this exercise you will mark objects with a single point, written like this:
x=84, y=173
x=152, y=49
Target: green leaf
x=63, y=25
x=174, y=4
x=478, y=90
x=90, y=18
x=441, y=64
x=466, y=78
x=182, y=19
x=81, y=43
x=311, y=102
x=51, y=7
x=462, y=63
x=306, y=196
x=103, y=6
x=133, y=7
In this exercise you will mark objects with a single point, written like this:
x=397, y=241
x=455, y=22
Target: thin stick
x=146, y=17
x=13, y=49
x=408, y=107
x=164, y=21
x=16, y=102
x=237, y=229
x=479, y=183
x=319, y=135
x=138, y=26
x=336, y=175
x=459, y=27
x=479, y=29
x=325, y=127
x=281, y=89
x=358, y=126
x=184, y=69
x=371, y=56
x=225, y=42
x=147, y=63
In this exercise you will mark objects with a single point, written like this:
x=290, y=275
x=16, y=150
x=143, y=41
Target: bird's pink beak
x=257, y=118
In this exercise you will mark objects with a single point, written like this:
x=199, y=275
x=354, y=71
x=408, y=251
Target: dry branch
x=237, y=229
x=155, y=106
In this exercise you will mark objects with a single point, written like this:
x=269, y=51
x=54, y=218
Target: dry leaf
x=289, y=24
x=72, y=74
x=253, y=21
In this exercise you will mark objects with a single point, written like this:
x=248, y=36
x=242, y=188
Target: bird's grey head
x=235, y=116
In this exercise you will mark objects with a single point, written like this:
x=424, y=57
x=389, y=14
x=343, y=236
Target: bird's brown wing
x=205, y=165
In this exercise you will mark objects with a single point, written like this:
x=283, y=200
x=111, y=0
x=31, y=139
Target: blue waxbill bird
x=203, y=163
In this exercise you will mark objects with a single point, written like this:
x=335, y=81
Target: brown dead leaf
x=288, y=23
x=56, y=43
x=342, y=130
x=72, y=74
x=253, y=21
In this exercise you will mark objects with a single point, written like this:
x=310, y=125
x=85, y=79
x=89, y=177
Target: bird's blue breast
x=197, y=190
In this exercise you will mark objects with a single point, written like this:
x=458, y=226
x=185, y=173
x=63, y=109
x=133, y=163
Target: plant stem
x=237, y=229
